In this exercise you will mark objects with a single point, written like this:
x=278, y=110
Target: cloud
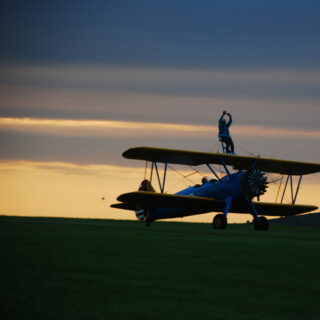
x=110, y=128
x=207, y=82
x=67, y=168
x=107, y=109
x=103, y=142
x=262, y=97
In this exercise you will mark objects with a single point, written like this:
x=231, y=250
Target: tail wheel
x=261, y=224
x=220, y=222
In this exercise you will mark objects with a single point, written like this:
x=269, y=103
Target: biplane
x=232, y=193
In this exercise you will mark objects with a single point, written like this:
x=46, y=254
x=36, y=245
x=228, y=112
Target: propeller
x=257, y=183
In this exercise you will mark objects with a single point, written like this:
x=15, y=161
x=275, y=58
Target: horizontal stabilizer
x=124, y=206
x=132, y=200
x=237, y=162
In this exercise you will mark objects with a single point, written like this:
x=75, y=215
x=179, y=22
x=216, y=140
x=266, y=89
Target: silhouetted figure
x=224, y=134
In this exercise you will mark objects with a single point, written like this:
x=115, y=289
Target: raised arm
x=223, y=114
x=230, y=119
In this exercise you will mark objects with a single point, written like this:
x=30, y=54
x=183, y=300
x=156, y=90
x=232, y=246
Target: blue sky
x=220, y=34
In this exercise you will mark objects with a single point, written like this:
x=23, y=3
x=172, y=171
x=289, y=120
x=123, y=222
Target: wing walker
x=245, y=179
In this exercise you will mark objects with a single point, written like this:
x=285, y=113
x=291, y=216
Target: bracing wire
x=186, y=177
x=197, y=171
x=215, y=147
x=272, y=186
x=252, y=154
x=181, y=174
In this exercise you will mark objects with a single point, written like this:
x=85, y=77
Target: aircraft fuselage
x=228, y=188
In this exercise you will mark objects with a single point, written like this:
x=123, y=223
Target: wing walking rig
x=233, y=193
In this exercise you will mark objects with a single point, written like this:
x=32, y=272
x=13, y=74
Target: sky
x=80, y=82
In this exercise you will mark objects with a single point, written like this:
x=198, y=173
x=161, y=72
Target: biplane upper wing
x=133, y=200
x=237, y=162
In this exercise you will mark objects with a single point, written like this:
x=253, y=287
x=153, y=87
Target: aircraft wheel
x=261, y=224
x=220, y=222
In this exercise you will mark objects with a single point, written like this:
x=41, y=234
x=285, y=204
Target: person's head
x=223, y=121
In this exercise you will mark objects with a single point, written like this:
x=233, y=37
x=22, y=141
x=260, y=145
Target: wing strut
x=228, y=201
x=151, y=173
x=254, y=211
x=164, y=177
x=279, y=189
x=291, y=188
x=285, y=188
x=294, y=195
x=211, y=169
x=224, y=166
x=161, y=184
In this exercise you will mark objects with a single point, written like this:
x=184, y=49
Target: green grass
x=105, y=269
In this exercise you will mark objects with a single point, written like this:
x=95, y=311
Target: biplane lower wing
x=134, y=200
x=153, y=199
x=237, y=162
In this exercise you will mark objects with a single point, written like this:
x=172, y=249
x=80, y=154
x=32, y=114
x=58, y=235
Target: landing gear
x=147, y=219
x=261, y=224
x=220, y=222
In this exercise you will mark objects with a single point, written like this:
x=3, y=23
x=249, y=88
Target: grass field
x=105, y=269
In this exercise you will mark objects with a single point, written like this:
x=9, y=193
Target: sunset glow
x=104, y=128
x=87, y=191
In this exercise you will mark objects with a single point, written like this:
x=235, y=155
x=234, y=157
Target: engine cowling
x=255, y=183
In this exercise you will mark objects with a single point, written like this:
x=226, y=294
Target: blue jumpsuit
x=224, y=134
